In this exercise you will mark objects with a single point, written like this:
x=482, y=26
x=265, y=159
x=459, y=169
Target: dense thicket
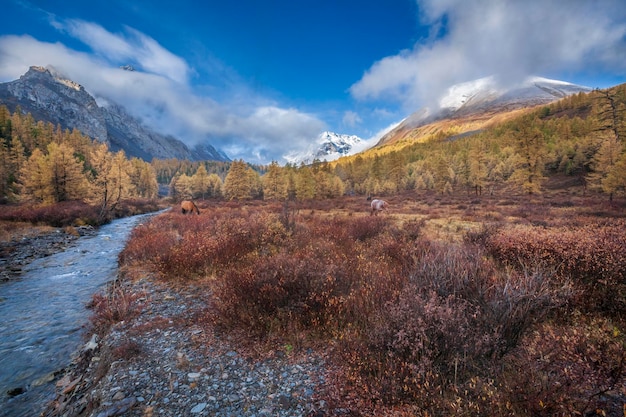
x=519, y=317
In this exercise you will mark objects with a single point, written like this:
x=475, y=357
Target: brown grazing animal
x=378, y=205
x=189, y=207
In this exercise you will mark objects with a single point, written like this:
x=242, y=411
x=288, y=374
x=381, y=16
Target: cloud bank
x=507, y=39
x=160, y=93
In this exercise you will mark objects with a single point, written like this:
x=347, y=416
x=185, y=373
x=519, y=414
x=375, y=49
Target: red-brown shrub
x=183, y=247
x=421, y=327
x=577, y=369
x=115, y=305
x=321, y=279
x=594, y=256
x=448, y=326
x=67, y=213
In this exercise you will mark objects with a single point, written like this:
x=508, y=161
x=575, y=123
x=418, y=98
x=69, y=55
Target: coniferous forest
x=581, y=137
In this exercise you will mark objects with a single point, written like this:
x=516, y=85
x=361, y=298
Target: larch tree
x=305, y=184
x=215, y=186
x=477, y=170
x=184, y=187
x=200, y=182
x=120, y=173
x=615, y=180
x=605, y=175
x=530, y=146
x=241, y=182
x=34, y=178
x=111, y=181
x=143, y=178
x=5, y=172
x=68, y=179
x=275, y=183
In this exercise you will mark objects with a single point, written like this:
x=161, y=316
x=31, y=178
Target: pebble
x=198, y=408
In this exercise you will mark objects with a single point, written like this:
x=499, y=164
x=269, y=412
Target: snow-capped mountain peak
x=328, y=146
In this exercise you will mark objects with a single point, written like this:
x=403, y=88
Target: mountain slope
x=471, y=106
x=52, y=98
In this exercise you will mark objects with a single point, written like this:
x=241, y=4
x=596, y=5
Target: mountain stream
x=43, y=315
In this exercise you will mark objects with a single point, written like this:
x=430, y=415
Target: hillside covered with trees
x=580, y=137
x=43, y=164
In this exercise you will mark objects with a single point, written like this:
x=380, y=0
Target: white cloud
x=351, y=118
x=508, y=39
x=131, y=47
x=159, y=92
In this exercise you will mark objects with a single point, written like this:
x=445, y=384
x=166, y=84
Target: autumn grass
x=457, y=305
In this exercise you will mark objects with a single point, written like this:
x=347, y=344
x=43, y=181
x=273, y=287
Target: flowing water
x=43, y=315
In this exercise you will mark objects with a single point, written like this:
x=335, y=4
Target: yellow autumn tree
x=530, y=145
x=200, y=183
x=53, y=177
x=143, y=179
x=275, y=183
x=606, y=170
x=69, y=181
x=215, y=186
x=305, y=184
x=241, y=182
x=111, y=180
x=34, y=179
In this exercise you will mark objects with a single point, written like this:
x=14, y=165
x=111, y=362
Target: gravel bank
x=163, y=363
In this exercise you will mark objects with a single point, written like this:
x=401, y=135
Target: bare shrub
x=126, y=350
x=183, y=247
x=117, y=304
x=62, y=214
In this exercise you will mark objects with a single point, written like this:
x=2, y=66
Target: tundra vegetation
x=496, y=286
x=447, y=306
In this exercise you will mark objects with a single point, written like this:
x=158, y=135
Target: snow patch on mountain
x=476, y=92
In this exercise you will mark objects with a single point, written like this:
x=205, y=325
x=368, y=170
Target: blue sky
x=260, y=79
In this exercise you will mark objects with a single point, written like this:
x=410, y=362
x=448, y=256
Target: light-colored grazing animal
x=378, y=205
x=189, y=207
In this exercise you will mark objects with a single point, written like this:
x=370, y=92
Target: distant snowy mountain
x=328, y=147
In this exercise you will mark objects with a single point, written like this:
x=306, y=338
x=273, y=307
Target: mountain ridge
x=50, y=97
x=476, y=103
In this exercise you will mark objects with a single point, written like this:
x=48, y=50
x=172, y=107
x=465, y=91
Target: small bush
x=114, y=306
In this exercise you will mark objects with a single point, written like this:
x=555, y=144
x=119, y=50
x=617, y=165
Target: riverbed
x=43, y=315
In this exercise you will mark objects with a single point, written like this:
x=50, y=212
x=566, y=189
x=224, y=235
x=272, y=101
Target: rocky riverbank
x=18, y=252
x=168, y=361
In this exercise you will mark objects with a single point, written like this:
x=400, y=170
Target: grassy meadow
x=442, y=305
